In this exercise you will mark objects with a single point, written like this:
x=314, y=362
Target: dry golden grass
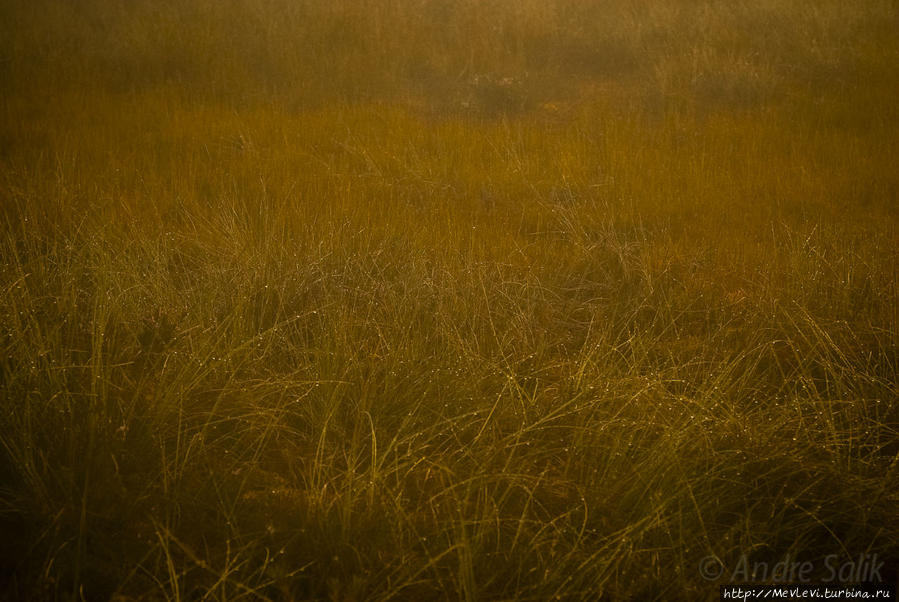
x=425, y=300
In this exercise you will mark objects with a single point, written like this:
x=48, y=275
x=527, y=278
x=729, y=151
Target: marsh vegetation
x=425, y=300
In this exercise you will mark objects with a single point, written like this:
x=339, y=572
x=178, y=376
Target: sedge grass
x=304, y=300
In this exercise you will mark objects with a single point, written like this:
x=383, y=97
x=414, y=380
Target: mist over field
x=447, y=300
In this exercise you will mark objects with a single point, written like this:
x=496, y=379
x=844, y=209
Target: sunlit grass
x=368, y=301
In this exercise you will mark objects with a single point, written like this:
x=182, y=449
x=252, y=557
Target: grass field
x=434, y=300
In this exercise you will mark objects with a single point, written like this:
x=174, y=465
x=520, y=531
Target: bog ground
x=428, y=300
